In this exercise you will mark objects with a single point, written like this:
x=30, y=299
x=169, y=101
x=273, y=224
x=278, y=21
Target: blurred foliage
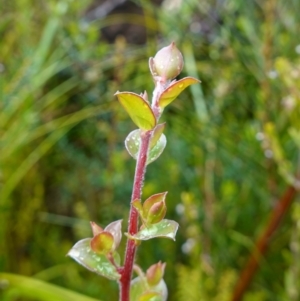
x=233, y=143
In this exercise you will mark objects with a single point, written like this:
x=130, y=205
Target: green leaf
x=157, y=150
x=151, y=296
x=165, y=228
x=28, y=288
x=132, y=144
x=172, y=92
x=98, y=263
x=138, y=109
x=141, y=291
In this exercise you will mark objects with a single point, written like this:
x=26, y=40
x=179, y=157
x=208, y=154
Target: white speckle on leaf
x=74, y=253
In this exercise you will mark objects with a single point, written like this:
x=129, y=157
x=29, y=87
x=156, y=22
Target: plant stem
x=262, y=243
x=131, y=246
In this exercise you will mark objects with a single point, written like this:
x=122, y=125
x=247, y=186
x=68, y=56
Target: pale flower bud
x=167, y=63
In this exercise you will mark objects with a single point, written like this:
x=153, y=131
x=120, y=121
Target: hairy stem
x=131, y=247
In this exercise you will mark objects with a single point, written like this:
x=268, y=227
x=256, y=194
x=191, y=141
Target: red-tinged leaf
x=138, y=109
x=172, y=92
x=155, y=198
x=96, y=228
x=102, y=243
x=97, y=263
x=155, y=273
x=156, y=213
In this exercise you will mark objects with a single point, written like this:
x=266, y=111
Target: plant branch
x=164, y=67
x=262, y=243
x=133, y=216
x=140, y=171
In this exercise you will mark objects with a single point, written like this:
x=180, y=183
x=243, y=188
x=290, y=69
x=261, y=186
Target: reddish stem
x=131, y=247
x=263, y=243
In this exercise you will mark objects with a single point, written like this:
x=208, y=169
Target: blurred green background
x=233, y=142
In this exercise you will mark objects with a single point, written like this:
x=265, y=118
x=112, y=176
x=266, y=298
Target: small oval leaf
x=132, y=144
x=157, y=150
x=165, y=228
x=172, y=92
x=138, y=109
x=139, y=290
x=98, y=263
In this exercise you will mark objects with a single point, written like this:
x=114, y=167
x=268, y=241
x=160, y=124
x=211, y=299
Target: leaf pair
x=139, y=109
x=152, y=212
x=97, y=253
x=150, y=287
x=157, y=293
x=97, y=263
